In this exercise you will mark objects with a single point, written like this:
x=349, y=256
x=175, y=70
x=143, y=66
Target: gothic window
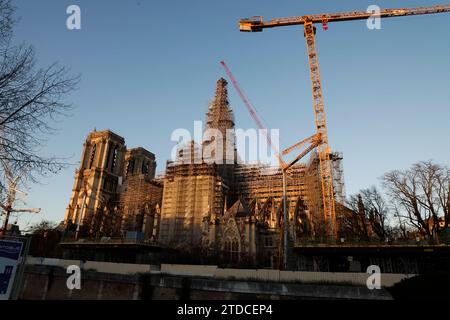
x=108, y=150
x=227, y=247
x=140, y=221
x=268, y=242
x=231, y=250
x=114, y=160
x=130, y=166
x=91, y=162
x=234, y=251
x=145, y=167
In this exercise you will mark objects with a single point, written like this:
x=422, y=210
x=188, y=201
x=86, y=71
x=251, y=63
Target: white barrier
x=106, y=267
x=387, y=279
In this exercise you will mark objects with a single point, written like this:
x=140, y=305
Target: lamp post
x=286, y=220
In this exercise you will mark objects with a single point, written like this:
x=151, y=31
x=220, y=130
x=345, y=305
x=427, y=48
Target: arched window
x=235, y=251
x=231, y=250
x=108, y=155
x=114, y=160
x=227, y=248
x=145, y=167
x=140, y=217
x=91, y=161
x=130, y=166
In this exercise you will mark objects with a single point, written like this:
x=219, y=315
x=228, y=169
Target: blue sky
x=149, y=67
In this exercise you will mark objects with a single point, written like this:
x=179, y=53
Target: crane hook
x=324, y=23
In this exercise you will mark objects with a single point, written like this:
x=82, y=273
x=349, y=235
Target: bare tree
x=421, y=195
x=42, y=227
x=400, y=229
x=356, y=222
x=44, y=239
x=6, y=19
x=369, y=215
x=31, y=98
x=378, y=212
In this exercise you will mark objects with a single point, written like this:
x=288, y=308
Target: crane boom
x=314, y=140
x=311, y=139
x=256, y=24
x=313, y=145
x=252, y=112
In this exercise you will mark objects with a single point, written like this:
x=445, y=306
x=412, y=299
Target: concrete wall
x=214, y=272
x=49, y=283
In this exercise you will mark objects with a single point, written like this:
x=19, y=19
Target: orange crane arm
x=256, y=24
x=252, y=112
x=313, y=139
x=313, y=145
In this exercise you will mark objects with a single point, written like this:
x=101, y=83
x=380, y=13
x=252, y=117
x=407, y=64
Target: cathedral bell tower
x=97, y=181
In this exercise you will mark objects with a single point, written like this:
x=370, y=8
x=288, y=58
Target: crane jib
x=256, y=24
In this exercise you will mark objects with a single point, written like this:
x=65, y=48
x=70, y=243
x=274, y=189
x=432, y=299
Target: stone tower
x=196, y=191
x=97, y=180
x=219, y=139
x=220, y=120
x=140, y=196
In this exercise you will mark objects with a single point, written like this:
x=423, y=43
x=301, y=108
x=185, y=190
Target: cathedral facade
x=206, y=200
x=114, y=190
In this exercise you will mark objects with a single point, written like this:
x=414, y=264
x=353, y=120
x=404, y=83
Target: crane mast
x=323, y=149
x=257, y=24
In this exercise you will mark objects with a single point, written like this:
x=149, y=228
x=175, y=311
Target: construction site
x=241, y=214
x=314, y=171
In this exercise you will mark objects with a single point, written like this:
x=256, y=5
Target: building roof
x=238, y=209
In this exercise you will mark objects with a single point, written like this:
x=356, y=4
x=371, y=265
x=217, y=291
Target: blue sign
x=9, y=257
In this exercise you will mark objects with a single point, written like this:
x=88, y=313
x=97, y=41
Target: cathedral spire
x=220, y=118
x=219, y=115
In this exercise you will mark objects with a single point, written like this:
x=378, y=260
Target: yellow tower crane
x=257, y=24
